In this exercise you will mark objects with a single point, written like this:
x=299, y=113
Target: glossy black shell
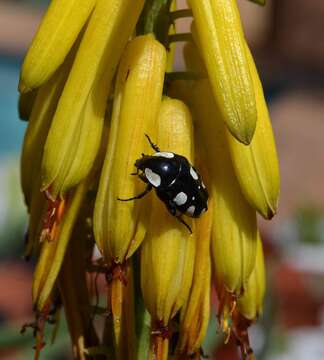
x=176, y=177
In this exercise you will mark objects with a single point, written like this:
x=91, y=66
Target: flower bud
x=38, y=126
x=234, y=230
x=251, y=302
x=256, y=165
x=53, y=250
x=217, y=30
x=167, y=253
x=249, y=305
x=118, y=225
x=195, y=314
x=68, y=159
x=52, y=41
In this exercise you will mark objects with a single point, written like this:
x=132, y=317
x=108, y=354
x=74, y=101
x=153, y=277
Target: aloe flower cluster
x=98, y=77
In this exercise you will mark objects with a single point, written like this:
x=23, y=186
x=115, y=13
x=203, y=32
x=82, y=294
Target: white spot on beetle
x=203, y=185
x=193, y=173
x=193, y=198
x=180, y=199
x=167, y=155
x=191, y=209
x=203, y=210
x=152, y=177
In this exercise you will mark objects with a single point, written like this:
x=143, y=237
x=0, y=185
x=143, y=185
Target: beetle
x=176, y=182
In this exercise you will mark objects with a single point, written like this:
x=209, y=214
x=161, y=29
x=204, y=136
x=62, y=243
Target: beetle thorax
x=159, y=170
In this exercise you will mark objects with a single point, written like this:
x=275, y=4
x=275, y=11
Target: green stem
x=184, y=75
x=144, y=336
x=155, y=19
x=179, y=37
x=178, y=14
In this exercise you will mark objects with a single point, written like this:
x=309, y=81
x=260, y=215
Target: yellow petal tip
x=23, y=88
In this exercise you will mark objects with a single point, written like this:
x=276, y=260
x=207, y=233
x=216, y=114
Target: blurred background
x=287, y=41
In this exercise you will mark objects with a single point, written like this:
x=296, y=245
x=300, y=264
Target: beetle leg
x=154, y=147
x=139, y=196
x=179, y=218
x=143, y=177
x=173, y=211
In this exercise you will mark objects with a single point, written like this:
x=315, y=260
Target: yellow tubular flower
x=43, y=213
x=38, y=125
x=249, y=306
x=52, y=252
x=195, y=315
x=80, y=112
x=234, y=230
x=57, y=32
x=218, y=30
x=256, y=165
x=250, y=303
x=167, y=253
x=39, y=122
x=138, y=91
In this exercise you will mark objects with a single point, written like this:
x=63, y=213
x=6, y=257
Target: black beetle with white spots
x=176, y=182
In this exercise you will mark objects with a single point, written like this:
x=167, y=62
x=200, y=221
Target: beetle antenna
x=153, y=146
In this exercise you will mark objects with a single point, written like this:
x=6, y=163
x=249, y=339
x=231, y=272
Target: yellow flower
x=97, y=79
x=167, y=253
x=118, y=226
x=195, y=313
x=218, y=31
x=256, y=165
x=250, y=305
